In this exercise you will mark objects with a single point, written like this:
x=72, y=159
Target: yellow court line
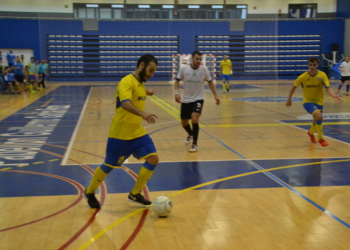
x=22, y=165
x=175, y=112
x=170, y=109
x=38, y=162
x=167, y=107
x=98, y=235
x=54, y=160
x=5, y=169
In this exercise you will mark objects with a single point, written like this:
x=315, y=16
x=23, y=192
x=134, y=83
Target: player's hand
x=337, y=99
x=149, y=92
x=150, y=118
x=178, y=98
x=289, y=103
x=217, y=100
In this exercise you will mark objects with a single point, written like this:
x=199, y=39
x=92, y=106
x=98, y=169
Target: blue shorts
x=31, y=77
x=226, y=77
x=120, y=150
x=312, y=107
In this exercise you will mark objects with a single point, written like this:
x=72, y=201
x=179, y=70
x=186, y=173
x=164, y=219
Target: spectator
x=44, y=70
x=10, y=58
x=10, y=81
x=18, y=67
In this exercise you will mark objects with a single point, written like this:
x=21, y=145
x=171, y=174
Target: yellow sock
x=312, y=129
x=144, y=176
x=319, y=131
x=227, y=86
x=96, y=180
x=30, y=87
x=224, y=87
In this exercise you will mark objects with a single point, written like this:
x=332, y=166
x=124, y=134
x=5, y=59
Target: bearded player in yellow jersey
x=127, y=135
x=312, y=83
x=226, y=71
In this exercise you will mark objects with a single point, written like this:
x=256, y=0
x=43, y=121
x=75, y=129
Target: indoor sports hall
x=256, y=181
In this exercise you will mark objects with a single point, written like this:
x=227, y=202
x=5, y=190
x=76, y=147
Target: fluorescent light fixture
x=168, y=6
x=144, y=6
x=193, y=6
x=117, y=6
x=92, y=5
x=217, y=7
x=241, y=6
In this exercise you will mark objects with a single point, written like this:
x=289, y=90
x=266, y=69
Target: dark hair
x=196, y=53
x=312, y=60
x=147, y=58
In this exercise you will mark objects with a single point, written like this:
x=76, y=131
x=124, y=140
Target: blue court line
x=287, y=186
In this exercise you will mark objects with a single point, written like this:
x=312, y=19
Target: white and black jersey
x=194, y=81
x=346, y=68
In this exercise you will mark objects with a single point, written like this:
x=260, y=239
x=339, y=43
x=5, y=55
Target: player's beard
x=143, y=75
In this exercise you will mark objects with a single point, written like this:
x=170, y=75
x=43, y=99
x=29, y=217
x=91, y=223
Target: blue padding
x=318, y=122
x=149, y=166
x=105, y=168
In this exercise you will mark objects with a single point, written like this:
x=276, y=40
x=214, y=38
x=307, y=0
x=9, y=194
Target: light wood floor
x=254, y=136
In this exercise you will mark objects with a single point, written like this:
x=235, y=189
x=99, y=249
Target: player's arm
x=329, y=89
x=213, y=90
x=291, y=92
x=334, y=96
x=177, y=86
x=128, y=106
x=211, y=85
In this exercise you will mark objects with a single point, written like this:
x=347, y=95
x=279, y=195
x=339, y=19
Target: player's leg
x=223, y=83
x=319, y=118
x=116, y=153
x=228, y=83
x=185, y=117
x=311, y=108
x=196, y=112
x=144, y=149
x=347, y=87
x=341, y=84
x=10, y=86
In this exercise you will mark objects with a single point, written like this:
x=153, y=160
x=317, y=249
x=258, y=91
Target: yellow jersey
x=125, y=125
x=313, y=86
x=226, y=67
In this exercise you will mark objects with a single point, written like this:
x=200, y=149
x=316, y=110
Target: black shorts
x=19, y=78
x=192, y=107
x=345, y=78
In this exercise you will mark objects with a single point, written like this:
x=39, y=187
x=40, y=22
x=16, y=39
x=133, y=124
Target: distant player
x=127, y=135
x=194, y=77
x=312, y=83
x=226, y=71
x=345, y=74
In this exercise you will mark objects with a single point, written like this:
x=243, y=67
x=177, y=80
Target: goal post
x=179, y=60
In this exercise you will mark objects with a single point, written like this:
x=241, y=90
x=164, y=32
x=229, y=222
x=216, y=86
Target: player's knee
x=319, y=116
x=153, y=159
x=106, y=169
x=184, y=122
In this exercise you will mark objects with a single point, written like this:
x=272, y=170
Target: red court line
x=143, y=216
x=103, y=194
x=74, y=183
x=47, y=103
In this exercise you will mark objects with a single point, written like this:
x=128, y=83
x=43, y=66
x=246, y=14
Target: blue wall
x=343, y=8
x=33, y=32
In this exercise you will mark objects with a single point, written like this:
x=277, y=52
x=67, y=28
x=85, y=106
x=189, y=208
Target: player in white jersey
x=194, y=77
x=345, y=74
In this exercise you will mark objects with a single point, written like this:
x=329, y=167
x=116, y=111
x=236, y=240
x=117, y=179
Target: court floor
x=256, y=182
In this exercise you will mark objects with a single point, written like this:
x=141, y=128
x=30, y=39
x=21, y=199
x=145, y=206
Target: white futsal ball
x=162, y=206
